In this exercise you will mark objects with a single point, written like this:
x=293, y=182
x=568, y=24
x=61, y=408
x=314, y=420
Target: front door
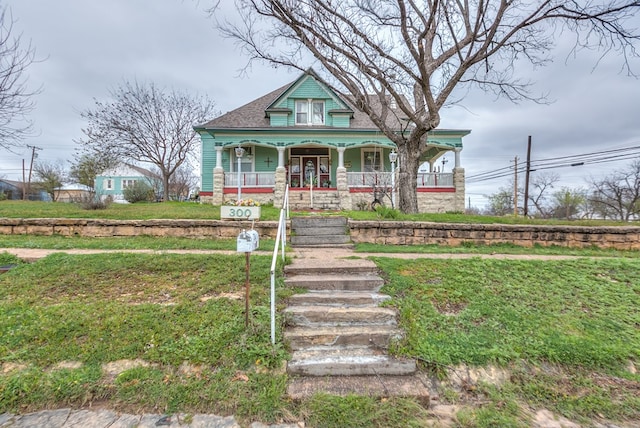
x=310, y=170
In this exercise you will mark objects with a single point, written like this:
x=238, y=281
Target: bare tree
x=541, y=184
x=50, y=176
x=145, y=124
x=618, y=196
x=414, y=54
x=16, y=99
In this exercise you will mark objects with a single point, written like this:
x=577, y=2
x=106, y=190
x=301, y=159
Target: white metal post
x=239, y=153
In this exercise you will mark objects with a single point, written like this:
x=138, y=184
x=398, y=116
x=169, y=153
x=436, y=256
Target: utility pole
x=515, y=187
x=33, y=156
x=526, y=179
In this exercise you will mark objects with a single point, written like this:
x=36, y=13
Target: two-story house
x=331, y=155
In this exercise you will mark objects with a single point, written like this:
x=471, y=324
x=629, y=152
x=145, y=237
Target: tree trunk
x=409, y=162
x=165, y=187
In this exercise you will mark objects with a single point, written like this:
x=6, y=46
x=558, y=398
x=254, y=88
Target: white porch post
x=341, y=157
x=219, y=157
x=281, y=157
x=218, y=178
x=457, y=153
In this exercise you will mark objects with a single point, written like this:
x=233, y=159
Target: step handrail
x=281, y=238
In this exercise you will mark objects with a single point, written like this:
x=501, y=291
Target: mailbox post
x=248, y=241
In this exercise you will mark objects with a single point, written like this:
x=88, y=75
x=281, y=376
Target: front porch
x=437, y=191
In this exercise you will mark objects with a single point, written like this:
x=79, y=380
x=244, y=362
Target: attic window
x=309, y=112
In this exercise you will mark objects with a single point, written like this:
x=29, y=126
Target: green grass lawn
x=567, y=331
x=191, y=210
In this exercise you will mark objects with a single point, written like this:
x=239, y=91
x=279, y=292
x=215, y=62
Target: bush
x=386, y=212
x=94, y=202
x=138, y=192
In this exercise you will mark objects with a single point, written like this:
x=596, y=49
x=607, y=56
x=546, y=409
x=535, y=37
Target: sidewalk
x=32, y=254
x=67, y=418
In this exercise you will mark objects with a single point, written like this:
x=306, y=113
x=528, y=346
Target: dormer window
x=309, y=112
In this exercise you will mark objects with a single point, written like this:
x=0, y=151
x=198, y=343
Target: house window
x=108, y=184
x=309, y=112
x=372, y=160
x=128, y=183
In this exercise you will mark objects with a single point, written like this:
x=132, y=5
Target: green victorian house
x=331, y=155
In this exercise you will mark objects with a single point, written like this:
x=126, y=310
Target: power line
x=560, y=162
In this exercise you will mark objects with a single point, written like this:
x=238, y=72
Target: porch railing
x=250, y=179
x=370, y=179
x=435, y=179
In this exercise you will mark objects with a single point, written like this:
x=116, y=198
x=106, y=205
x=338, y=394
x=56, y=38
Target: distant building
x=73, y=192
x=112, y=182
x=13, y=190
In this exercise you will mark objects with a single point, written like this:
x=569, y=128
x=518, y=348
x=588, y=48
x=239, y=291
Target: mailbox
x=248, y=241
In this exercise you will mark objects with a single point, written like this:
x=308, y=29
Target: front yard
x=166, y=333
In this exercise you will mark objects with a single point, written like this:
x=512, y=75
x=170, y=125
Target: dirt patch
x=12, y=367
x=67, y=365
x=230, y=296
x=114, y=368
x=449, y=308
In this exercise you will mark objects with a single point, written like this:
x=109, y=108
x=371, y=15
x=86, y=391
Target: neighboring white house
x=112, y=182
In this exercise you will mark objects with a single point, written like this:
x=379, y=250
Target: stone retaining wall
x=98, y=227
x=415, y=233
x=379, y=232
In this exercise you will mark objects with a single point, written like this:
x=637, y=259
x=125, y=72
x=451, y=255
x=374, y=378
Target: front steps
x=319, y=232
x=339, y=335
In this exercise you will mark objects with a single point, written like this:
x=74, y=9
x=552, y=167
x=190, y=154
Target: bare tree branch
x=16, y=99
x=142, y=123
x=416, y=53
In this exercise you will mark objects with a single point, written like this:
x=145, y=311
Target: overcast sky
x=87, y=47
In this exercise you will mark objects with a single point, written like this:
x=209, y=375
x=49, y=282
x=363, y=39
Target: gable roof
x=126, y=169
x=254, y=115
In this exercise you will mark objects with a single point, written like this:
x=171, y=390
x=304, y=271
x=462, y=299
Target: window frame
x=307, y=109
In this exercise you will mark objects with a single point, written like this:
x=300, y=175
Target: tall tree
x=16, y=99
x=567, y=202
x=617, y=196
x=415, y=53
x=50, y=176
x=87, y=166
x=143, y=123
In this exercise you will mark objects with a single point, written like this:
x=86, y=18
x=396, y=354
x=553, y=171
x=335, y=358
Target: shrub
x=138, y=192
x=93, y=202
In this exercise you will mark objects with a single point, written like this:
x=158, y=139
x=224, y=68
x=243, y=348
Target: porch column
x=459, y=184
x=281, y=157
x=218, y=178
x=280, y=179
x=219, y=157
x=342, y=183
x=341, y=157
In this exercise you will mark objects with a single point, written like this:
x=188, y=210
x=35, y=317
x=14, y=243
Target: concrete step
x=303, y=316
x=330, y=266
x=348, y=362
x=338, y=298
x=300, y=388
x=330, y=221
x=319, y=239
x=360, y=282
x=310, y=338
x=319, y=231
